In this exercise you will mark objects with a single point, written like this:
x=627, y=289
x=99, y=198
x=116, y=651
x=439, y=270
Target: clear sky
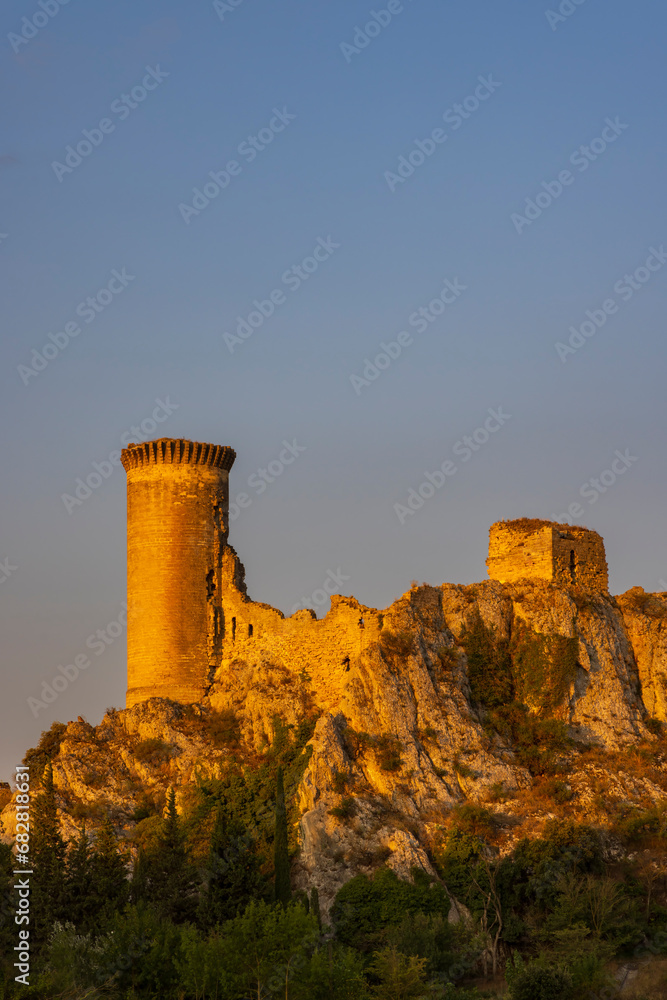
x=363, y=161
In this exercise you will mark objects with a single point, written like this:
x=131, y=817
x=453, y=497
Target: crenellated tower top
x=177, y=451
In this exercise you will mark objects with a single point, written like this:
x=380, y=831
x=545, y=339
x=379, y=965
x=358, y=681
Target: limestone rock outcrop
x=399, y=738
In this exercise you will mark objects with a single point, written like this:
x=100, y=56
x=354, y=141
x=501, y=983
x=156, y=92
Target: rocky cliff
x=422, y=714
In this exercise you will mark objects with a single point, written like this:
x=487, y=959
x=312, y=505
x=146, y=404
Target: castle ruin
x=562, y=554
x=189, y=615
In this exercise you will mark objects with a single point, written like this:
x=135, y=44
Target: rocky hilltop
x=530, y=698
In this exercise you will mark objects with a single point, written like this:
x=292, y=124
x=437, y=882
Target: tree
x=164, y=874
x=332, y=973
x=79, y=881
x=7, y=900
x=234, y=873
x=538, y=982
x=281, y=864
x=268, y=948
x=402, y=977
x=48, y=859
x=315, y=905
x=109, y=872
x=491, y=920
x=651, y=869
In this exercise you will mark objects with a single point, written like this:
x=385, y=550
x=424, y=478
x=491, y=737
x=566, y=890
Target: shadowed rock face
x=404, y=680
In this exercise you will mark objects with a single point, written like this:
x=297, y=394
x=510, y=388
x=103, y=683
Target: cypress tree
x=7, y=900
x=234, y=873
x=80, y=886
x=315, y=906
x=48, y=859
x=281, y=865
x=164, y=874
x=109, y=872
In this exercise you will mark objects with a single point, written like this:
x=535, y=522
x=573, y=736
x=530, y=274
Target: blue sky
x=342, y=121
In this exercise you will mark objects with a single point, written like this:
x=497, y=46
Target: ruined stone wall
x=518, y=550
x=587, y=567
x=177, y=524
x=531, y=548
x=260, y=636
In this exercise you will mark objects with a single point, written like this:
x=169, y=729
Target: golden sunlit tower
x=177, y=526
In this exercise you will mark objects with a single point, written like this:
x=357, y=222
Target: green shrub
x=396, y=644
x=345, y=810
x=38, y=757
x=385, y=748
x=387, y=751
x=473, y=819
x=543, y=666
x=364, y=907
x=462, y=769
x=538, y=982
x=356, y=744
x=557, y=790
x=152, y=751
x=447, y=657
x=536, y=742
x=340, y=782
x=489, y=663
x=642, y=823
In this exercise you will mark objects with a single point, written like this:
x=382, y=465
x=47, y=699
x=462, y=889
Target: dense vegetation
x=552, y=914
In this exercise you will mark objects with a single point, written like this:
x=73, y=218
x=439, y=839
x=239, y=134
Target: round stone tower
x=177, y=525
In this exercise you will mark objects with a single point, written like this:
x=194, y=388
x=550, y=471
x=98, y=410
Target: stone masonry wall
x=588, y=567
x=517, y=551
x=258, y=636
x=177, y=522
x=559, y=553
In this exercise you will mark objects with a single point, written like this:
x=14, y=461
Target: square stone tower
x=562, y=554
